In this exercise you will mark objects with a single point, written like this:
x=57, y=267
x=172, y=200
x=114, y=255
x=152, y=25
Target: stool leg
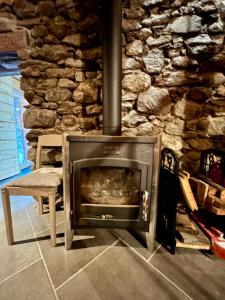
x=52, y=195
x=8, y=215
x=40, y=205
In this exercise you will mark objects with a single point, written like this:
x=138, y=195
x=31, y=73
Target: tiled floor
x=103, y=265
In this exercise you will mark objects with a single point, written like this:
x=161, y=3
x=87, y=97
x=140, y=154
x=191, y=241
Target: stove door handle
x=145, y=196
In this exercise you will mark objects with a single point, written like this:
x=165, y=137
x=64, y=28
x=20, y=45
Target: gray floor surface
x=102, y=264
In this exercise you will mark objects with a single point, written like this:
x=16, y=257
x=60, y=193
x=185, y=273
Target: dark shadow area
x=42, y=238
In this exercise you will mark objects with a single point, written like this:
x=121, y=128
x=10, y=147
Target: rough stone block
x=13, y=41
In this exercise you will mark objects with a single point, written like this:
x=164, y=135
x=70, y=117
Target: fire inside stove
x=110, y=185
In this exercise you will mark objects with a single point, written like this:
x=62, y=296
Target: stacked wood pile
x=189, y=235
x=201, y=194
x=209, y=194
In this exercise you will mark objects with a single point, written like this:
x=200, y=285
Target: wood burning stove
x=111, y=182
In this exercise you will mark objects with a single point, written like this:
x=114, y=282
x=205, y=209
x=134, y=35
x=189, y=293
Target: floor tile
x=200, y=275
x=135, y=242
x=42, y=222
x=119, y=274
x=29, y=201
x=62, y=264
x=31, y=283
x=18, y=212
x=15, y=257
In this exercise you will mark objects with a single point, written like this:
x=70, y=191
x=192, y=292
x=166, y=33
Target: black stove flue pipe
x=112, y=66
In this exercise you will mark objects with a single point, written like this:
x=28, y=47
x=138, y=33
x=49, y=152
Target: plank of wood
x=187, y=192
x=220, y=189
x=185, y=173
x=212, y=190
x=209, y=201
x=9, y=135
x=7, y=126
x=9, y=172
x=217, y=206
x=6, y=90
x=6, y=98
x=6, y=107
x=185, y=224
x=7, y=117
x=13, y=41
x=7, y=153
x=8, y=145
x=202, y=192
x=199, y=241
x=220, y=203
x=218, y=211
x=180, y=244
x=193, y=184
x=7, y=164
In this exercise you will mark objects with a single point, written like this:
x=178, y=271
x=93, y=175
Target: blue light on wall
x=21, y=141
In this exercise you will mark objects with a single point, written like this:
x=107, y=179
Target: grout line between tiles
x=154, y=252
x=149, y=263
x=87, y=265
x=24, y=268
x=48, y=228
x=39, y=248
x=173, y=283
x=31, y=205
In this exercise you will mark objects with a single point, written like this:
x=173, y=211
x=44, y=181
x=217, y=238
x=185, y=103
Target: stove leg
x=68, y=238
x=150, y=242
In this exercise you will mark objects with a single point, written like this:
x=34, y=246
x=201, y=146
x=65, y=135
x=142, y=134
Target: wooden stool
x=43, y=182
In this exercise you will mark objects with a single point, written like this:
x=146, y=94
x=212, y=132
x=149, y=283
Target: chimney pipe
x=112, y=66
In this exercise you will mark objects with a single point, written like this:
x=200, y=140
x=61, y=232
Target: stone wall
x=173, y=70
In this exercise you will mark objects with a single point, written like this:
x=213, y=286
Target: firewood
x=187, y=240
x=212, y=190
x=218, y=203
x=202, y=192
x=218, y=211
x=184, y=224
x=218, y=206
x=185, y=173
x=215, y=205
x=194, y=184
x=220, y=189
x=187, y=192
x=209, y=202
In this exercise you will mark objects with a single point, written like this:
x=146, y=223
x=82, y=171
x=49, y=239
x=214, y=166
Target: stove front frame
x=114, y=148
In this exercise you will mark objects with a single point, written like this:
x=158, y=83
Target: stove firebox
x=111, y=181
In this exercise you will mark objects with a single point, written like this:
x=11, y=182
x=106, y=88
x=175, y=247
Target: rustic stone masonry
x=173, y=70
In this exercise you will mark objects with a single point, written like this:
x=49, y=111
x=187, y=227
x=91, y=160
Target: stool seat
x=43, y=177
